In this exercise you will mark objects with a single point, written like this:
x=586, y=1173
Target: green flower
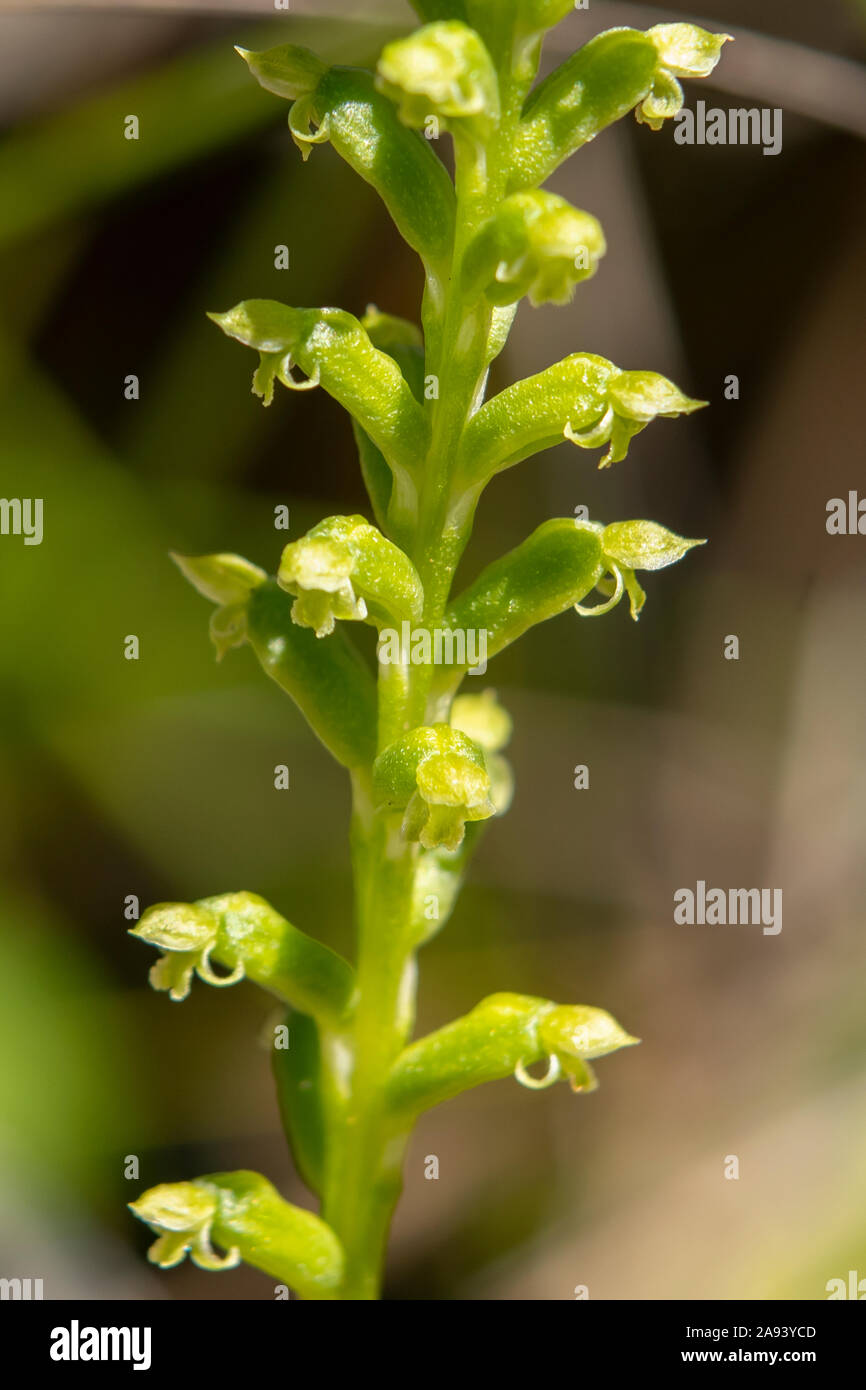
x=320, y=572
x=228, y=581
x=573, y=1035
x=504, y=1035
x=182, y=1215
x=535, y=244
x=488, y=724
x=440, y=777
x=628, y=546
x=634, y=399
x=483, y=719
x=442, y=70
x=344, y=569
x=247, y=937
x=246, y=1215
x=684, y=51
x=187, y=934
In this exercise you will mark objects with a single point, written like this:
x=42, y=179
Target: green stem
x=364, y=1145
x=366, y=1142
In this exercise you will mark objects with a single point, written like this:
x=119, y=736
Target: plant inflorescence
x=426, y=762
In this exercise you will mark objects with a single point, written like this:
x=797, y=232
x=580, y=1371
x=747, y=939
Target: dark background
x=155, y=778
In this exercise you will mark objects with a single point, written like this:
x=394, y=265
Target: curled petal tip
x=596, y=610
x=539, y=1083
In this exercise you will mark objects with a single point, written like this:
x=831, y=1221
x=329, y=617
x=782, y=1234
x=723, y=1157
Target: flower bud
x=535, y=244
x=513, y=31
x=391, y=333
x=488, y=724
x=437, y=883
x=442, y=70
x=483, y=719
x=501, y=320
x=440, y=777
x=542, y=14
x=345, y=569
x=301, y=1085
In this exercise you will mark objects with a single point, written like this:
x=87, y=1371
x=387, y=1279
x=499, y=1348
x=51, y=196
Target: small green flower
x=319, y=572
x=187, y=934
x=246, y=936
x=334, y=350
x=634, y=399
x=573, y=1035
x=684, y=51
x=628, y=546
x=442, y=70
x=535, y=244
x=487, y=723
x=504, y=1035
x=182, y=1215
x=228, y=581
x=440, y=777
x=483, y=719
x=246, y=1215
x=344, y=569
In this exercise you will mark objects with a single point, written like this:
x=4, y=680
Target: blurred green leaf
x=64, y=163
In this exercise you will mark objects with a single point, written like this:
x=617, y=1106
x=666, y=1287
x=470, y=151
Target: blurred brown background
x=155, y=778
